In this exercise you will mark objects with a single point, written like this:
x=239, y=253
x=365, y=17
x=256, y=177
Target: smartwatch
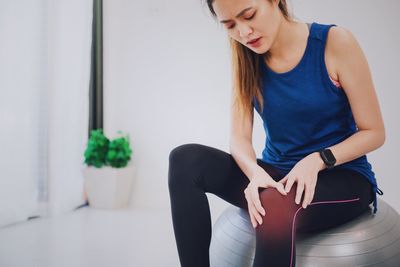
x=328, y=158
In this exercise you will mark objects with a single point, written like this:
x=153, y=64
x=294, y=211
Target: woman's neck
x=289, y=41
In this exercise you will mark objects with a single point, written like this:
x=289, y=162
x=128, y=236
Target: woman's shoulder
x=340, y=44
x=338, y=33
x=340, y=37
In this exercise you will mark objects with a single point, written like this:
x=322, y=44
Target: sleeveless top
x=304, y=111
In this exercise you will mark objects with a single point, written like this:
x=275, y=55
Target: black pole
x=96, y=75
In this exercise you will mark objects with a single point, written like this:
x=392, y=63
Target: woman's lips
x=255, y=42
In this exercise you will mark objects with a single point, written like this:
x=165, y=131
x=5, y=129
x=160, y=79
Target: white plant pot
x=107, y=187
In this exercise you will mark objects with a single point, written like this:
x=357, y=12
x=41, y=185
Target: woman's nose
x=244, y=30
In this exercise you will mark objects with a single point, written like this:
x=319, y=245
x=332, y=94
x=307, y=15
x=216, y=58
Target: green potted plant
x=107, y=173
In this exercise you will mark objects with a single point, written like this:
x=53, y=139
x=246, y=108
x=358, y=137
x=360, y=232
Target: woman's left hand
x=305, y=173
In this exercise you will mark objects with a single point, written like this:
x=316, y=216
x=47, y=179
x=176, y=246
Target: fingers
x=308, y=189
x=283, y=180
x=256, y=215
x=280, y=188
x=253, y=220
x=254, y=206
x=253, y=214
x=256, y=200
x=289, y=184
x=308, y=195
x=299, y=192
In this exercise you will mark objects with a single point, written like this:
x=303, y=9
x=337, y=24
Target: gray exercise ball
x=369, y=240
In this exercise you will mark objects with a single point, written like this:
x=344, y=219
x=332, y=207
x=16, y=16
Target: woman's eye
x=252, y=16
x=231, y=26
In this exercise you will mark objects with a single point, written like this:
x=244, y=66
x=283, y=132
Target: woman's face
x=253, y=23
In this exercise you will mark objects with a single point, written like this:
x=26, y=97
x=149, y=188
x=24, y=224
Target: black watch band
x=328, y=157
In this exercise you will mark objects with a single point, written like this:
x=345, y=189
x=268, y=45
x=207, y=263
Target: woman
x=311, y=85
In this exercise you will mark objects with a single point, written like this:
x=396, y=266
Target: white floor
x=91, y=237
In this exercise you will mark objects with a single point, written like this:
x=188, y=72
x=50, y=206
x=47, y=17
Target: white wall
x=167, y=82
x=44, y=85
x=22, y=85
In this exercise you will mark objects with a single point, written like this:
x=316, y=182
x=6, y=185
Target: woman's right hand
x=260, y=179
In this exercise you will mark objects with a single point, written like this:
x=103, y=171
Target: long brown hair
x=245, y=68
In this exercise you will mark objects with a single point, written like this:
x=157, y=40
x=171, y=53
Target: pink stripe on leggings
x=313, y=203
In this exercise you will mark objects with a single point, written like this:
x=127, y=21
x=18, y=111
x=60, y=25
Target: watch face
x=329, y=156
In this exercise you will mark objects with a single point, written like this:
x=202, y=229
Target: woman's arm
x=355, y=78
x=240, y=143
x=242, y=151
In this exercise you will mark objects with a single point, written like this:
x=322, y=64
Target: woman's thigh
x=340, y=196
x=215, y=171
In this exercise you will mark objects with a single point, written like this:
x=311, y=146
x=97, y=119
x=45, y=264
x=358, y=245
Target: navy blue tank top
x=305, y=112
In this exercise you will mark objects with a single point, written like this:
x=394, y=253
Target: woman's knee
x=182, y=159
x=181, y=152
x=277, y=204
x=279, y=215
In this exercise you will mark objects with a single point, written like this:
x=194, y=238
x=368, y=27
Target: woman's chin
x=259, y=50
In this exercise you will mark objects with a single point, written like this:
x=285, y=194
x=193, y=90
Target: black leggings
x=194, y=169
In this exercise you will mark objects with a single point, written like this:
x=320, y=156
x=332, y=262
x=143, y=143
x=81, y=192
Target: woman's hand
x=260, y=179
x=305, y=173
